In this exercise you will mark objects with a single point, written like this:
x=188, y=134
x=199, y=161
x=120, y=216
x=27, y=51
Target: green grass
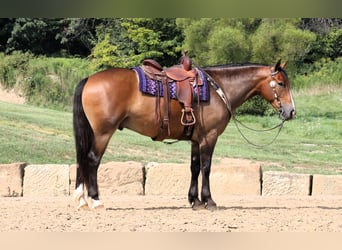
x=34, y=135
x=311, y=143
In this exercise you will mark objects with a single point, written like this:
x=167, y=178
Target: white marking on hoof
x=79, y=197
x=82, y=204
x=78, y=193
x=95, y=204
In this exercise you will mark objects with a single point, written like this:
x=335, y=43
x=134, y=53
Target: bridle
x=273, y=85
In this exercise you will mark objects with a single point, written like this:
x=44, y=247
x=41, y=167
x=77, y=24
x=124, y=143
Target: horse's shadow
x=219, y=208
x=148, y=208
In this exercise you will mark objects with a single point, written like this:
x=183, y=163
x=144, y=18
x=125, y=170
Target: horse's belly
x=144, y=126
x=145, y=120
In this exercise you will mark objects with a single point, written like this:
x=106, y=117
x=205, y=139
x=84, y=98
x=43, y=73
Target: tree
x=106, y=55
x=34, y=35
x=281, y=39
x=133, y=39
x=49, y=36
x=329, y=39
x=333, y=43
x=196, y=33
x=228, y=45
x=144, y=40
x=6, y=26
x=320, y=25
x=218, y=41
x=78, y=35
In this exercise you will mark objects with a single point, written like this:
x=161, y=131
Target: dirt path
x=173, y=214
x=10, y=96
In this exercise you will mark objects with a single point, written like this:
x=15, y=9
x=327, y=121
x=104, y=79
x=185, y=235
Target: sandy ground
x=173, y=214
x=11, y=96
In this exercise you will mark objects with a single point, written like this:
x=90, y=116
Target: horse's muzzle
x=287, y=112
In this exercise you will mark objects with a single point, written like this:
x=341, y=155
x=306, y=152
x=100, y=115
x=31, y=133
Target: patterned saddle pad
x=149, y=86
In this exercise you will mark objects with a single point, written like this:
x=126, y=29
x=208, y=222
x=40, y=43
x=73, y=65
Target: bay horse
x=111, y=100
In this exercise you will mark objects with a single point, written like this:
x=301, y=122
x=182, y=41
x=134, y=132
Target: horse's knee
x=94, y=160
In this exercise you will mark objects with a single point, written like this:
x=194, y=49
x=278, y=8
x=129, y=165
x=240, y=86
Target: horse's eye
x=281, y=84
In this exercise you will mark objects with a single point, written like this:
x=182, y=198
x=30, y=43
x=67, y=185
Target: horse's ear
x=283, y=65
x=277, y=66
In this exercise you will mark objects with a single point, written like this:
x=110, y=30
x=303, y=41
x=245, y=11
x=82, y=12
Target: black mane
x=234, y=65
x=239, y=65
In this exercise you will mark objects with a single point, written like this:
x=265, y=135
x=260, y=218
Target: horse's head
x=276, y=90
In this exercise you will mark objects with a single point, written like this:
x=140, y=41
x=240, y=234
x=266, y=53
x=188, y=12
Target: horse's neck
x=239, y=90
x=238, y=85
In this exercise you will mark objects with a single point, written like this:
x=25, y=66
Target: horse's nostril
x=293, y=113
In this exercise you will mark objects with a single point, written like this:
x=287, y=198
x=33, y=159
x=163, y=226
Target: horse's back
x=110, y=83
x=113, y=77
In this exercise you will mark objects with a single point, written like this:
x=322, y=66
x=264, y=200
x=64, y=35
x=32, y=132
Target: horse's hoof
x=198, y=205
x=211, y=205
x=82, y=204
x=77, y=196
x=96, y=204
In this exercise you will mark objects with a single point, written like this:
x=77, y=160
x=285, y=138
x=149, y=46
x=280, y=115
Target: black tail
x=83, y=132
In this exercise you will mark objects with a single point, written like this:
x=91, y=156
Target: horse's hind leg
x=79, y=190
x=86, y=175
x=90, y=176
x=86, y=183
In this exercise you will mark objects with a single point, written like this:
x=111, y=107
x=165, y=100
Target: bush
x=12, y=67
x=322, y=72
x=48, y=82
x=255, y=106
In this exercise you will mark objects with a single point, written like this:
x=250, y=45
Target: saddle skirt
x=151, y=87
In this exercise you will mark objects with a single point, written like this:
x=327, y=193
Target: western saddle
x=186, y=79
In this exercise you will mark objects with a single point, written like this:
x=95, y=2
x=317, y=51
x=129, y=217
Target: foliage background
x=46, y=57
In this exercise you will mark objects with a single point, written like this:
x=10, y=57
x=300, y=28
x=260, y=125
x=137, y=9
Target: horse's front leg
x=206, y=151
x=195, y=171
